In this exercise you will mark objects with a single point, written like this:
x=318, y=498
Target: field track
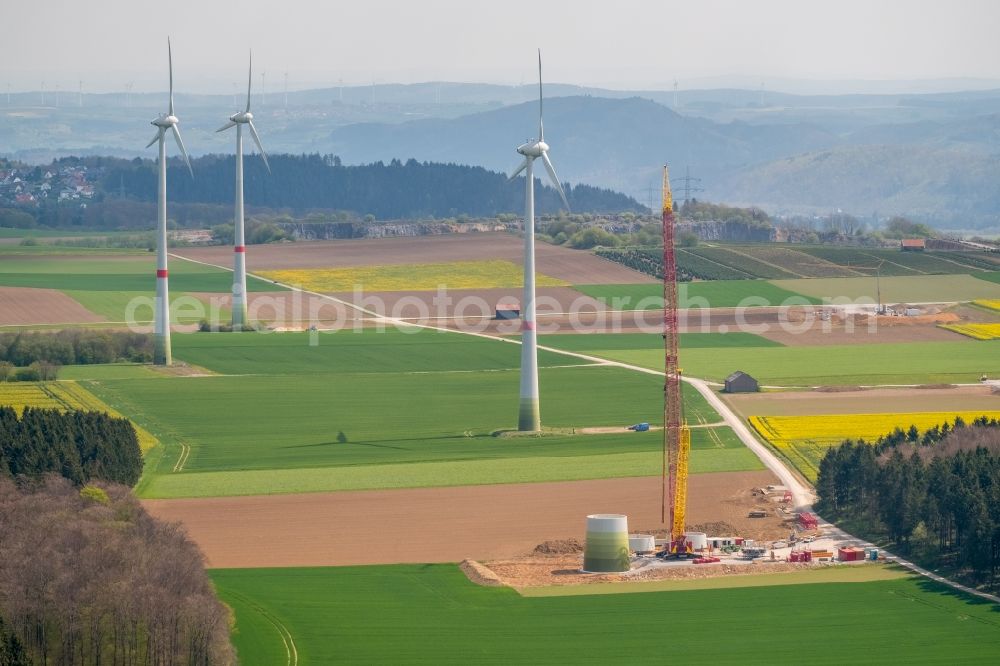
x=431, y=524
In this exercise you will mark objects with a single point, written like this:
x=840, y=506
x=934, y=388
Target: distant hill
x=951, y=186
x=784, y=152
x=618, y=143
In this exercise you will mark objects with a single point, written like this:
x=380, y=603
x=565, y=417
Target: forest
x=73, y=347
x=79, y=446
x=935, y=496
x=88, y=577
x=304, y=183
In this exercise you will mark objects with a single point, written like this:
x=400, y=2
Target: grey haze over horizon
x=783, y=45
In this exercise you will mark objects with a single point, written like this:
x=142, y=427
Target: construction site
x=781, y=536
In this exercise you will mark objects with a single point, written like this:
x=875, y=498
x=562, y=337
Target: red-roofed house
x=913, y=244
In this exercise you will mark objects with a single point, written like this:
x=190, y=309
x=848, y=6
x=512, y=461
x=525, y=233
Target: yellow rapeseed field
x=805, y=439
x=62, y=395
x=992, y=304
x=977, y=331
x=411, y=277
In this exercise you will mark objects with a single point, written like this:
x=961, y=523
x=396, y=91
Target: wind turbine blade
x=156, y=138
x=555, y=179
x=249, y=80
x=180, y=144
x=256, y=139
x=226, y=126
x=170, y=61
x=515, y=172
x=541, y=127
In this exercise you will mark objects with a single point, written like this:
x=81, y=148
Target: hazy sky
x=612, y=43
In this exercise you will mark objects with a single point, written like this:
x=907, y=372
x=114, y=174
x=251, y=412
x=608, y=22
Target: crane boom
x=676, y=435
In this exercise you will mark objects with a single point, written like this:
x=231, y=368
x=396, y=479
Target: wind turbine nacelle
x=535, y=149
x=241, y=117
x=165, y=121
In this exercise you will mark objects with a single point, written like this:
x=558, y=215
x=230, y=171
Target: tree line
x=303, y=183
x=79, y=446
x=396, y=190
x=88, y=577
x=73, y=347
x=935, y=494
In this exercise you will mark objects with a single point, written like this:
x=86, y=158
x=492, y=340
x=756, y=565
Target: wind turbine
x=161, y=309
x=529, y=417
x=238, y=120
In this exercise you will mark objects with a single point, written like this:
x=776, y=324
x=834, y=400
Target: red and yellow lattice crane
x=676, y=434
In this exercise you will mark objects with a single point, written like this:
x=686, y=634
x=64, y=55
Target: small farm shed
x=741, y=382
x=913, y=245
x=508, y=310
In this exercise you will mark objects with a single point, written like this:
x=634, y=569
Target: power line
x=688, y=188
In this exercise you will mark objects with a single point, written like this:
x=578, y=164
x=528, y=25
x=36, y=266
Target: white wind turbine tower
x=238, y=120
x=529, y=417
x=161, y=308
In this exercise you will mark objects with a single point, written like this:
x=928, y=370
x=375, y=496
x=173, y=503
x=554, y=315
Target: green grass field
x=431, y=614
x=8, y=250
x=391, y=409
x=714, y=294
x=394, y=350
x=904, y=363
x=108, y=371
x=116, y=273
x=569, y=461
x=137, y=306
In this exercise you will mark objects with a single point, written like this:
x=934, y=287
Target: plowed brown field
x=573, y=266
x=25, y=305
x=436, y=524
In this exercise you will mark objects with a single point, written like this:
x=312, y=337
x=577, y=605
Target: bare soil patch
x=865, y=401
x=182, y=369
x=574, y=266
x=480, y=574
x=441, y=524
x=862, y=330
x=536, y=571
x=21, y=306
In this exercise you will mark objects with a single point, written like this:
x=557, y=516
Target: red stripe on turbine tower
x=161, y=273
x=528, y=325
x=240, y=248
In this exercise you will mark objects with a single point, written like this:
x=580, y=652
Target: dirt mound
x=837, y=389
x=936, y=386
x=716, y=528
x=558, y=547
x=479, y=574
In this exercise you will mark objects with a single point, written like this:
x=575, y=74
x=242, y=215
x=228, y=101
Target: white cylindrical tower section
x=239, y=247
x=641, y=543
x=607, y=544
x=698, y=540
x=529, y=414
x=161, y=306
